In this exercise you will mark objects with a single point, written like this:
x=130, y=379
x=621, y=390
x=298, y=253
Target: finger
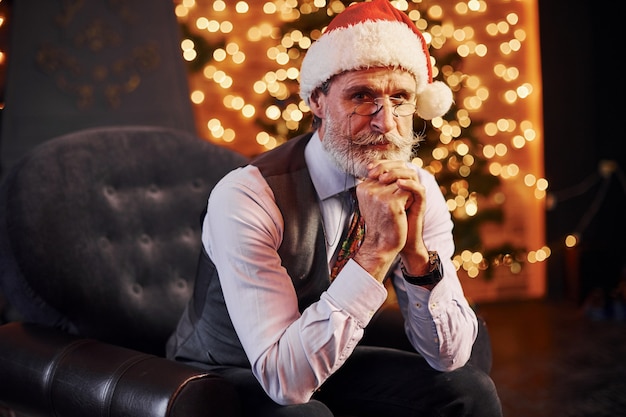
x=398, y=174
x=376, y=168
x=411, y=185
x=392, y=171
x=371, y=189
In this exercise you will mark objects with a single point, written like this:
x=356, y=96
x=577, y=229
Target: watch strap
x=433, y=276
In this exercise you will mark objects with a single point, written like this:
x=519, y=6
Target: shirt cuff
x=357, y=292
x=426, y=303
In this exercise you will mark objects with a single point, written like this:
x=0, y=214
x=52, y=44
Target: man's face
x=355, y=140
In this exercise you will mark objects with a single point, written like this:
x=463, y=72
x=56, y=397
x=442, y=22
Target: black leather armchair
x=99, y=239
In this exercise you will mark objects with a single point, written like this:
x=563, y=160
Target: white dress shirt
x=293, y=354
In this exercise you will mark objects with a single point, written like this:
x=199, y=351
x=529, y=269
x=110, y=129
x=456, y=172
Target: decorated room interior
x=530, y=157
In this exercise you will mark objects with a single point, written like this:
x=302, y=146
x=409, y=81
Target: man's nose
x=384, y=120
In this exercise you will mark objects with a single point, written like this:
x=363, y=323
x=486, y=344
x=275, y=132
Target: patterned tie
x=354, y=237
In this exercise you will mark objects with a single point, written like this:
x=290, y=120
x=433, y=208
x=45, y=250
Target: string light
x=607, y=169
x=258, y=47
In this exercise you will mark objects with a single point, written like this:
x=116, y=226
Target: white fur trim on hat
x=368, y=44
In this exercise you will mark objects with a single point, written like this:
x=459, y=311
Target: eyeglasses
x=371, y=108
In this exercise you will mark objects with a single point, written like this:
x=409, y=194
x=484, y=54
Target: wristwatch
x=434, y=275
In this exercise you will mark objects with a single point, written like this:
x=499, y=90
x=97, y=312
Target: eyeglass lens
x=370, y=108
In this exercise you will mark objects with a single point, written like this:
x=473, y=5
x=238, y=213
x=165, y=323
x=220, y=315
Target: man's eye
x=361, y=97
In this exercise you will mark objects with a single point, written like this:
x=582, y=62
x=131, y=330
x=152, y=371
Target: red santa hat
x=375, y=34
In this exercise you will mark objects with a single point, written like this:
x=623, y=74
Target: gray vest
x=205, y=333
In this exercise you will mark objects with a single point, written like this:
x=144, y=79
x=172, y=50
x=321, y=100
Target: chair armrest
x=48, y=372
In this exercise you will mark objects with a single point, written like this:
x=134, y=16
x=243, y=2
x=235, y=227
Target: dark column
x=584, y=144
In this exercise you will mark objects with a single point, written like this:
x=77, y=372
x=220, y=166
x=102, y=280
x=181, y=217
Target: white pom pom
x=434, y=100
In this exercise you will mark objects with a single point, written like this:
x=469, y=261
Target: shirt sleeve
x=291, y=354
x=440, y=323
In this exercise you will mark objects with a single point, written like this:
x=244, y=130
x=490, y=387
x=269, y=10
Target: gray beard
x=352, y=156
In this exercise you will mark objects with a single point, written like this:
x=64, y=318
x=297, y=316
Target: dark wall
x=583, y=120
x=79, y=65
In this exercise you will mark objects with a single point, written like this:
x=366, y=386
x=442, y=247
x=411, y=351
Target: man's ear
x=316, y=103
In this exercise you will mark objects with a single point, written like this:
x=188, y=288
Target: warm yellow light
x=186, y=44
x=518, y=141
x=237, y=103
x=439, y=153
x=219, y=76
x=226, y=26
x=181, y=11
x=471, y=208
x=530, y=134
x=213, y=124
x=461, y=148
x=242, y=7
x=189, y=55
x=503, y=27
x=219, y=5
x=239, y=57
x=542, y=184
x=512, y=18
x=510, y=96
x=530, y=180
x=219, y=54
x=209, y=71
x=259, y=87
x=571, y=240
x=491, y=129
x=495, y=169
x=269, y=8
x=197, y=96
x=474, y=5
x=512, y=170
x=202, y=23
x=262, y=138
x=226, y=82
x=228, y=135
x=248, y=111
x=481, y=50
x=213, y=26
x=501, y=149
x=272, y=112
x=477, y=257
x=435, y=12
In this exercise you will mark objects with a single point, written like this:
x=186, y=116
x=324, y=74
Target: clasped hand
x=392, y=202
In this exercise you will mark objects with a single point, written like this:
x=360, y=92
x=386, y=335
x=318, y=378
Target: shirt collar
x=328, y=179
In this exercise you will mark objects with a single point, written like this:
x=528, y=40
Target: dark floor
x=553, y=359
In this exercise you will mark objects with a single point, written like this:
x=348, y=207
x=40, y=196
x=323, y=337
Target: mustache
x=371, y=138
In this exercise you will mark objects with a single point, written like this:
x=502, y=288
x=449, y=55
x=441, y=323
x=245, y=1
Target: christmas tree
x=454, y=147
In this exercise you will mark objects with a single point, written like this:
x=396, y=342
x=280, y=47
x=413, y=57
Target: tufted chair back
x=100, y=231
